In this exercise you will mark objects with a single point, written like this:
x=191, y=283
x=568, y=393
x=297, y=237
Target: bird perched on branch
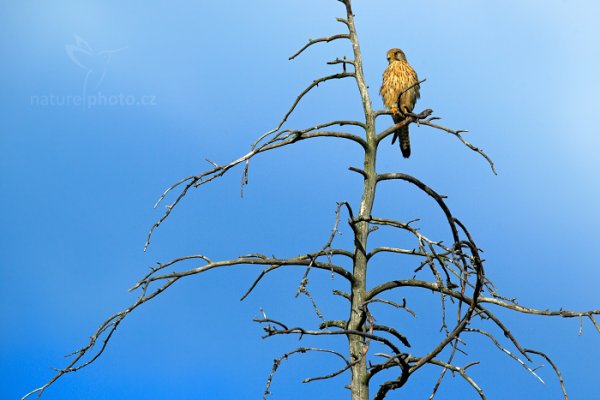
x=400, y=91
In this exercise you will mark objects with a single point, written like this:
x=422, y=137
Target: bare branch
x=438, y=198
x=319, y=40
x=324, y=251
x=409, y=118
x=341, y=61
x=444, y=370
x=343, y=21
x=301, y=331
x=396, y=250
x=394, y=384
x=217, y=172
x=303, y=350
x=457, y=133
x=437, y=288
x=393, y=304
x=487, y=313
x=462, y=373
x=506, y=351
x=405, y=226
x=281, y=135
x=550, y=313
x=332, y=324
x=110, y=325
x=274, y=263
x=393, y=332
x=424, y=118
x=556, y=370
x=314, y=84
x=310, y=259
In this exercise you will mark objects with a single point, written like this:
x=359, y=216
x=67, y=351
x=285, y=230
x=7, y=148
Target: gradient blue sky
x=78, y=184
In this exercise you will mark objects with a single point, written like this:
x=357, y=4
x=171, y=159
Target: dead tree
x=455, y=270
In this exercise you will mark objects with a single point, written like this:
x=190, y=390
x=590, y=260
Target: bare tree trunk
x=359, y=385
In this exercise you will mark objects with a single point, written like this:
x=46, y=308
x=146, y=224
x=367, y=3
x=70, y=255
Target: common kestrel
x=400, y=91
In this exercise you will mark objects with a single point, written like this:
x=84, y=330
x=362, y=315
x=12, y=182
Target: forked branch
x=100, y=339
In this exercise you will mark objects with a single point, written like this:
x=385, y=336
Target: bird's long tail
x=402, y=135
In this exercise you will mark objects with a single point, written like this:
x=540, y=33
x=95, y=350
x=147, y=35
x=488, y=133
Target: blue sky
x=79, y=183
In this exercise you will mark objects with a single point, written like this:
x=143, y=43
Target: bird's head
x=395, y=55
